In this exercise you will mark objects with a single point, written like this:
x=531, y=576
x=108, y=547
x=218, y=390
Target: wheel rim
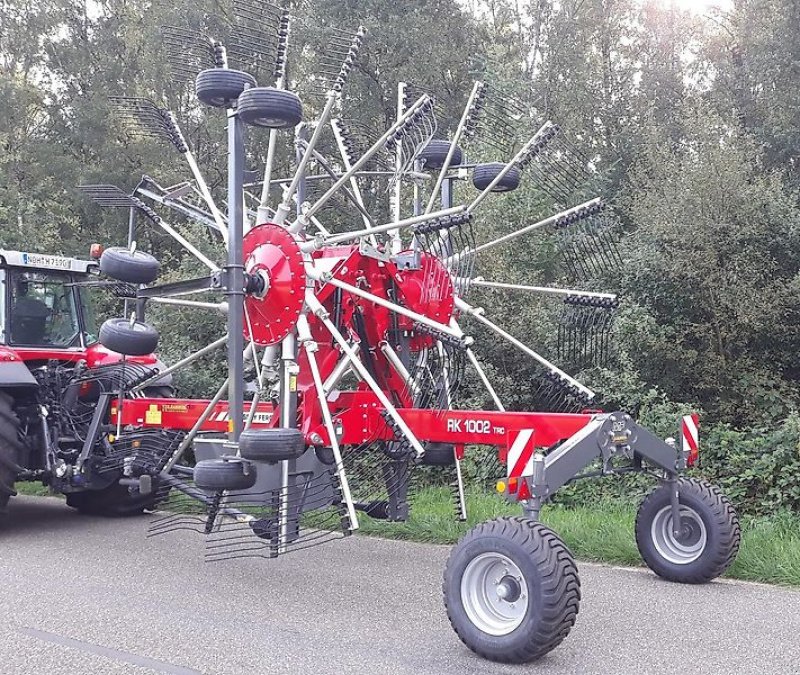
x=494, y=594
x=687, y=547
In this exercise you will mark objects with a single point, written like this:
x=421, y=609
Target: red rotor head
x=272, y=253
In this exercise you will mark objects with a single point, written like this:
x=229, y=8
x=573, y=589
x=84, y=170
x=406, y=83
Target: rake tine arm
x=379, y=229
x=340, y=144
x=399, y=309
x=322, y=314
x=331, y=99
x=479, y=369
x=376, y=147
x=305, y=339
x=480, y=281
x=477, y=91
x=580, y=211
x=478, y=314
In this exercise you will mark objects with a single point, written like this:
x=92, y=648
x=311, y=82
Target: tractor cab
x=42, y=302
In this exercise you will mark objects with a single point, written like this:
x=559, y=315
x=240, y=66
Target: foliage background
x=692, y=117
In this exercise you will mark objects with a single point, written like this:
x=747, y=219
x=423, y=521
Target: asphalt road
x=89, y=595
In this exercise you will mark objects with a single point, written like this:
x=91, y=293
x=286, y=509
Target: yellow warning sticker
x=153, y=415
x=293, y=383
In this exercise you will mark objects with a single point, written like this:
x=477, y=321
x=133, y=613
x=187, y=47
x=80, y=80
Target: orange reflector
x=230, y=426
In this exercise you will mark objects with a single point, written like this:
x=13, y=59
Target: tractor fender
x=97, y=355
x=13, y=371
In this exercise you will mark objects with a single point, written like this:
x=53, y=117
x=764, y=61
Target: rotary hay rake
x=357, y=342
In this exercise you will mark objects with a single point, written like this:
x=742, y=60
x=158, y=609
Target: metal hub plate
x=272, y=252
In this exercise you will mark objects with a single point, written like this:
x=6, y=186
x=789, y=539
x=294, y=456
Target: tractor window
x=42, y=310
x=88, y=312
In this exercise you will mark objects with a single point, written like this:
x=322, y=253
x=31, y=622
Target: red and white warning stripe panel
x=520, y=454
x=690, y=437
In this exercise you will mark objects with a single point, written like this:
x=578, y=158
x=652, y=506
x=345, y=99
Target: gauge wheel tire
x=435, y=153
x=511, y=590
x=115, y=501
x=484, y=174
x=439, y=454
x=221, y=87
x=709, y=539
x=271, y=445
x=10, y=447
x=120, y=336
x=226, y=473
x=270, y=108
x=135, y=267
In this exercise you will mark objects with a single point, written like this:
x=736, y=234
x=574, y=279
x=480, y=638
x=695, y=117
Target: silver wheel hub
x=686, y=546
x=494, y=594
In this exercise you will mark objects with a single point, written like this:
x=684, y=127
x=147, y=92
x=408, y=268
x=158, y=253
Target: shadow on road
x=40, y=515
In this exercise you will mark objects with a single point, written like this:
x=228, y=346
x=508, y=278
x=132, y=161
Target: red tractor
x=54, y=379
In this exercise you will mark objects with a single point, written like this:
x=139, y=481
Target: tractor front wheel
x=511, y=590
x=9, y=450
x=708, y=538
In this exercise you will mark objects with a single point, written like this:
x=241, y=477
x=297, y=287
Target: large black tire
x=439, y=454
x=271, y=108
x=10, y=447
x=435, y=153
x=138, y=267
x=709, y=539
x=120, y=336
x=227, y=473
x=221, y=87
x=271, y=445
x=115, y=501
x=511, y=590
x=484, y=174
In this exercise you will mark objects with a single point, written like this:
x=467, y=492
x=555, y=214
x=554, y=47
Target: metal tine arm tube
x=339, y=371
x=320, y=311
x=359, y=203
x=186, y=442
x=398, y=309
x=179, y=141
x=379, y=144
x=478, y=314
x=337, y=134
x=209, y=200
x=219, y=306
x=582, y=210
x=262, y=215
x=396, y=243
x=177, y=236
x=314, y=245
x=331, y=98
x=519, y=158
x=285, y=206
x=480, y=281
x=304, y=336
x=397, y=364
x=481, y=372
x=183, y=362
x=186, y=209
x=476, y=91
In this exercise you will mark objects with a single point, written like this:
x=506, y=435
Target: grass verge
x=770, y=550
